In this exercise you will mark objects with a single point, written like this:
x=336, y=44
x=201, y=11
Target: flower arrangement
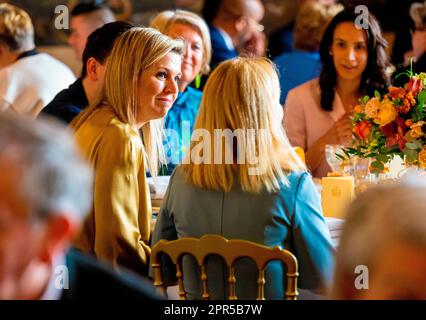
x=392, y=125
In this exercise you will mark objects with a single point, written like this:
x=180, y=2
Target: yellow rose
x=422, y=158
x=386, y=114
x=372, y=108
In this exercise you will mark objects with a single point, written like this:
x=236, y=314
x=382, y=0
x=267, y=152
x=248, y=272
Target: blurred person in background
x=318, y=112
x=122, y=9
x=382, y=250
x=45, y=192
x=236, y=29
x=28, y=79
x=303, y=63
x=279, y=21
x=86, y=17
x=141, y=85
x=68, y=103
x=194, y=32
x=415, y=58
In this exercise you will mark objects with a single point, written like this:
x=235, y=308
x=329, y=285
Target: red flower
x=401, y=126
x=363, y=129
x=394, y=140
x=414, y=86
x=389, y=129
x=397, y=93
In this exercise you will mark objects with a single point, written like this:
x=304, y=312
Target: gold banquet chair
x=230, y=251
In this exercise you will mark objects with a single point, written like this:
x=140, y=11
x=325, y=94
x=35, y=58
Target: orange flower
x=359, y=108
x=422, y=158
x=409, y=96
x=363, y=129
x=372, y=108
x=386, y=113
x=396, y=93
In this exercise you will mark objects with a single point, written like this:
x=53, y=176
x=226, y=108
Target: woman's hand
x=340, y=132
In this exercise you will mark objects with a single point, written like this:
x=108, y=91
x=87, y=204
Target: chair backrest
x=230, y=251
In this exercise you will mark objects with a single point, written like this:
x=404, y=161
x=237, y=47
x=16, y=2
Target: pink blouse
x=305, y=121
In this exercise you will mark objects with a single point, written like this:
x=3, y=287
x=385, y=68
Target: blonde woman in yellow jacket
x=140, y=86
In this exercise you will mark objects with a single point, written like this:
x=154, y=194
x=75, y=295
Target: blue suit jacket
x=221, y=52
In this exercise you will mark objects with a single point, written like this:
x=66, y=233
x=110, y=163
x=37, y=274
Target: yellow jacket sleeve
x=122, y=208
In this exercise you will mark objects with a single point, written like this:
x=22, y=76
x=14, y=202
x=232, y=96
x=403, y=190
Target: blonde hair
x=243, y=94
x=166, y=19
x=134, y=52
x=311, y=21
x=16, y=28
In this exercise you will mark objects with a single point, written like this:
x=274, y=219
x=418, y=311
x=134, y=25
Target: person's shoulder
x=121, y=139
x=283, y=58
x=307, y=86
x=90, y=278
x=307, y=90
x=296, y=177
x=195, y=92
x=54, y=65
x=120, y=131
x=195, y=97
x=297, y=181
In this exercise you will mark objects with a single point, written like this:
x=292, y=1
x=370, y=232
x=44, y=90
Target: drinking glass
x=330, y=156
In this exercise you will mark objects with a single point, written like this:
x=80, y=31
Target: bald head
x=238, y=8
x=240, y=19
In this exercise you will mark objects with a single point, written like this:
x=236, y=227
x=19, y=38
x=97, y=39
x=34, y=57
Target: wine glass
x=360, y=167
x=330, y=156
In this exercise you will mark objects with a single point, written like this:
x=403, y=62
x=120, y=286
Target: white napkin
x=158, y=186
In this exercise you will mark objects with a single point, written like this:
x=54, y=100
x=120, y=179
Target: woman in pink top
x=354, y=61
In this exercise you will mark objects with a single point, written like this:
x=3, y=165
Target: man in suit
x=235, y=30
x=44, y=193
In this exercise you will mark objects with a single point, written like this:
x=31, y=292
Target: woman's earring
x=197, y=81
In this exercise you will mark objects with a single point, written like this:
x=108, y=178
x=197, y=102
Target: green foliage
x=377, y=95
x=414, y=145
x=365, y=99
x=410, y=155
x=422, y=99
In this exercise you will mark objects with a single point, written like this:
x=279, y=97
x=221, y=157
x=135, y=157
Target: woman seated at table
x=257, y=189
x=140, y=86
x=193, y=30
x=317, y=112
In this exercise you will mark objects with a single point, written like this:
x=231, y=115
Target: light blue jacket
x=291, y=219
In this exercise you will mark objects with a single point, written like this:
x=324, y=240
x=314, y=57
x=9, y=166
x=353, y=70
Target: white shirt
x=30, y=83
x=227, y=39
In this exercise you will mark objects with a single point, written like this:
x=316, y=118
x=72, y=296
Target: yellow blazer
x=117, y=229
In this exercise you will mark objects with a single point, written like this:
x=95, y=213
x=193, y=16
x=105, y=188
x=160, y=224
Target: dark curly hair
x=374, y=76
